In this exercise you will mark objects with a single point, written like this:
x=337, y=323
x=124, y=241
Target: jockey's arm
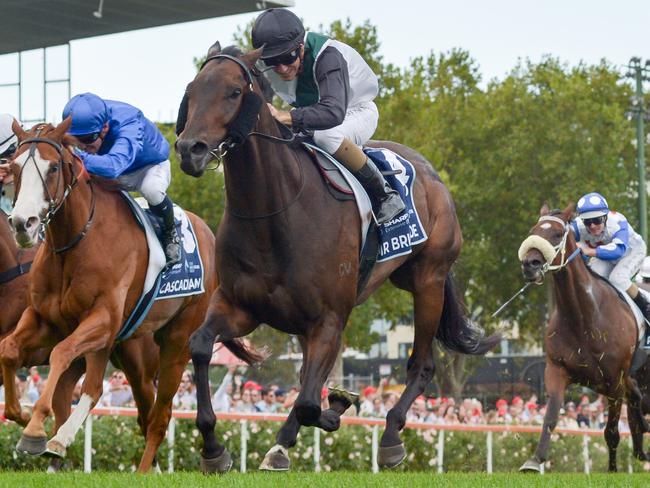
x=617, y=247
x=334, y=87
x=120, y=156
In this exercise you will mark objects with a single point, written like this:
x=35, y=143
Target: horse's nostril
x=199, y=148
x=32, y=221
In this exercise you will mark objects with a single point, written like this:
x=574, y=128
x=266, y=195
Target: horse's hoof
x=34, y=446
x=277, y=459
x=55, y=449
x=531, y=466
x=390, y=457
x=220, y=464
x=329, y=420
x=642, y=456
x=346, y=398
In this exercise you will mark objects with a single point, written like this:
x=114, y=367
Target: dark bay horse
x=139, y=356
x=288, y=256
x=591, y=335
x=86, y=279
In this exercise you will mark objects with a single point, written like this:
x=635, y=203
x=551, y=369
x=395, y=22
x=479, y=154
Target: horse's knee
x=307, y=413
x=201, y=343
x=9, y=353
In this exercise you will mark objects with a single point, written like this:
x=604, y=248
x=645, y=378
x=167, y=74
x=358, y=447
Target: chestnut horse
x=86, y=279
x=288, y=256
x=591, y=335
x=139, y=356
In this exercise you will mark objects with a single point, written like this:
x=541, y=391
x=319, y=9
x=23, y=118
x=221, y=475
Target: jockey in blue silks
x=8, y=146
x=116, y=141
x=615, y=251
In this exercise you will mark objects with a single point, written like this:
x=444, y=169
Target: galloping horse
x=591, y=335
x=86, y=279
x=139, y=356
x=288, y=256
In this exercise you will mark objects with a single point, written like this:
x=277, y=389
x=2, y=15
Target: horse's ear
x=567, y=213
x=545, y=210
x=61, y=129
x=18, y=130
x=214, y=49
x=251, y=57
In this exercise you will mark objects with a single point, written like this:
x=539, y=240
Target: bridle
x=220, y=151
x=548, y=250
x=53, y=205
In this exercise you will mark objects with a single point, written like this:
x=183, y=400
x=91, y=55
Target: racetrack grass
x=324, y=480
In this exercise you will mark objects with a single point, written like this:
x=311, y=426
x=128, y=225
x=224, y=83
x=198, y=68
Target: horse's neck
x=576, y=295
x=262, y=176
x=8, y=248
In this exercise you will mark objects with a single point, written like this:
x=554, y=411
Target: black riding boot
x=389, y=201
x=171, y=242
x=643, y=305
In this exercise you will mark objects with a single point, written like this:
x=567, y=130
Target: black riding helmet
x=278, y=31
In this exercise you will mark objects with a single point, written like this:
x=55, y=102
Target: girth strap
x=15, y=272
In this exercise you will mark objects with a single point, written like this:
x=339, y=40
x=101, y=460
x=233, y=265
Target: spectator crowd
x=235, y=393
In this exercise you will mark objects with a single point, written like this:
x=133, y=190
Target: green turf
x=325, y=480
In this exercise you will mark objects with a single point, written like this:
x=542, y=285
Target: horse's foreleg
x=277, y=458
x=94, y=333
x=428, y=303
x=222, y=322
x=91, y=391
x=556, y=380
x=30, y=334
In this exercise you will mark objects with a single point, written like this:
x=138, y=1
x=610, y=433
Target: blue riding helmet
x=592, y=205
x=88, y=112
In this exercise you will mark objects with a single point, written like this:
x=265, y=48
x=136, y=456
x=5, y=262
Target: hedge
x=117, y=446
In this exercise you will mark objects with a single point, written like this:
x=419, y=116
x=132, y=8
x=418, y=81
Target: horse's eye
x=236, y=92
x=54, y=169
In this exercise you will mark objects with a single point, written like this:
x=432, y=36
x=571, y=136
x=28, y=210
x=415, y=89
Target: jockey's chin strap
x=53, y=205
x=241, y=127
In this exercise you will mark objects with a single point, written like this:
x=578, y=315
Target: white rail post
x=489, y=452
x=630, y=466
x=244, y=445
x=441, y=449
x=88, y=444
x=317, y=468
x=585, y=452
x=171, y=434
x=375, y=448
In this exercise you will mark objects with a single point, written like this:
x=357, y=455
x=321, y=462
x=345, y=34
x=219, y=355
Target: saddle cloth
x=397, y=236
x=644, y=339
x=183, y=279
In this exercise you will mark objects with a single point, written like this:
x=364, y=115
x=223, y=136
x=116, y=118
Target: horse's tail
x=459, y=333
x=246, y=353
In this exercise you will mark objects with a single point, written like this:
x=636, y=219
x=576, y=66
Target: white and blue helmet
x=592, y=205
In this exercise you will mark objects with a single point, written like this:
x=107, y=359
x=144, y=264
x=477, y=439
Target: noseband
x=53, y=205
x=548, y=250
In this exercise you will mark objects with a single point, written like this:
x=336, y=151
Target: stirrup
x=390, y=207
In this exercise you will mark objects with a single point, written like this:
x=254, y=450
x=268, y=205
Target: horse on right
x=592, y=338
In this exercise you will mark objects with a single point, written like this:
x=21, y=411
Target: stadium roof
x=32, y=24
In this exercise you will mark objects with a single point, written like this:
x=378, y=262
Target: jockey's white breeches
x=151, y=181
x=621, y=271
x=359, y=125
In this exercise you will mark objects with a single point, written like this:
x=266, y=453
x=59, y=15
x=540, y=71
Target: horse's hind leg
x=612, y=436
x=428, y=302
x=174, y=355
x=222, y=322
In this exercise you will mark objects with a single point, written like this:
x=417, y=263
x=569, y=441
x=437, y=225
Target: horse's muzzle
x=194, y=155
x=25, y=230
x=532, y=267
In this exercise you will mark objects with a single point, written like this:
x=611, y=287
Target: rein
x=55, y=206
